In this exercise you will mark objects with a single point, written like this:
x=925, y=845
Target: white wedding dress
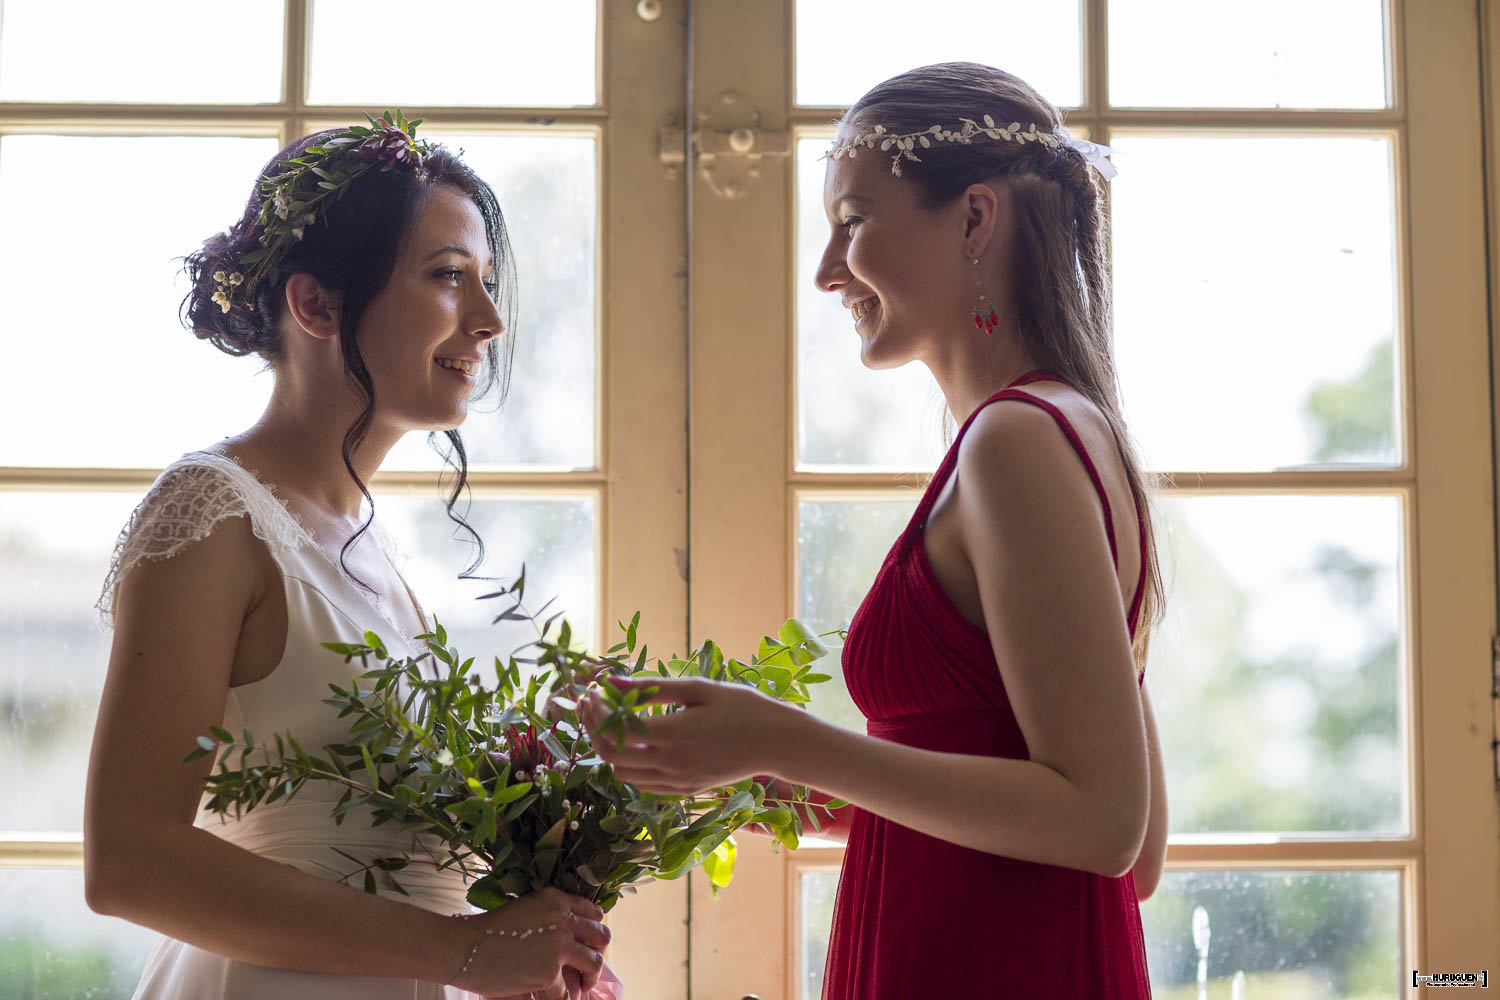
x=323, y=605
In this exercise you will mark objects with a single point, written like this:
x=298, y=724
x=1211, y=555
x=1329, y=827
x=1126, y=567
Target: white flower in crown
x=968, y=132
x=283, y=208
x=223, y=283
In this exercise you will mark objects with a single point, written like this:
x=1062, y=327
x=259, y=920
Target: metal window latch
x=727, y=147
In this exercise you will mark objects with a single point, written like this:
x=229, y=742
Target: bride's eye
x=850, y=223
x=449, y=273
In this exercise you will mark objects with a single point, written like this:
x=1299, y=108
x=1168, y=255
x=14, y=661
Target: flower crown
x=292, y=200
x=970, y=132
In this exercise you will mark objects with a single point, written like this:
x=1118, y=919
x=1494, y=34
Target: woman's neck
x=971, y=367
x=298, y=444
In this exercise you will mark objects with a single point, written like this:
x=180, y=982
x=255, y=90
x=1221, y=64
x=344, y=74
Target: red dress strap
x=1013, y=391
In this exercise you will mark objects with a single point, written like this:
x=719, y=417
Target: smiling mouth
x=467, y=367
x=862, y=309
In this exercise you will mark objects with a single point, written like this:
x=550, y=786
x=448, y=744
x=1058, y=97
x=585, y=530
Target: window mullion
x=296, y=37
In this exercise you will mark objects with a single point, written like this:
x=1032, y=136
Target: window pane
x=1274, y=54
x=53, y=947
x=1277, y=673
x=555, y=538
x=55, y=550
x=842, y=53
x=1286, y=934
x=815, y=895
x=90, y=331
x=156, y=51
x=1260, y=334
x=491, y=54
x=849, y=417
x=840, y=547
x=548, y=190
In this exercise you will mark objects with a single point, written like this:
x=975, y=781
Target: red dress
x=918, y=917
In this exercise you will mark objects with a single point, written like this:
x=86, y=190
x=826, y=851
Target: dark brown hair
x=352, y=249
x=1059, y=280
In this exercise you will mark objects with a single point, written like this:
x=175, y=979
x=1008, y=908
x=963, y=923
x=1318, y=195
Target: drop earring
x=984, y=312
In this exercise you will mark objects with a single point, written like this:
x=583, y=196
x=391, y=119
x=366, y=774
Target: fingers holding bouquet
x=721, y=733
x=545, y=944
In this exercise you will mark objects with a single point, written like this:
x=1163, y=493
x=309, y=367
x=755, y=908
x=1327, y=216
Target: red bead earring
x=984, y=313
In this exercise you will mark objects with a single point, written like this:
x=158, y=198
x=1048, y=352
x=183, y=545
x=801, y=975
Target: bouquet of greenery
x=506, y=776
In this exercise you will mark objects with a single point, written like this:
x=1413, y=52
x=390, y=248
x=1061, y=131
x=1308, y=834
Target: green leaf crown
x=296, y=197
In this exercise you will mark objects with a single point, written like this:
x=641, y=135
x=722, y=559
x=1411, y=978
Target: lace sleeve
x=184, y=505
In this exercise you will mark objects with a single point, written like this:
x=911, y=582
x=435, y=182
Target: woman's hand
x=559, y=964
x=724, y=733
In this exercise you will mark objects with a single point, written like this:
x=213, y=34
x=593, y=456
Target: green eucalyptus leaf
x=519, y=807
x=718, y=864
x=485, y=893
x=510, y=793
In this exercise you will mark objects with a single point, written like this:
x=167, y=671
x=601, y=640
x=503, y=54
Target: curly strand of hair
x=354, y=362
x=457, y=458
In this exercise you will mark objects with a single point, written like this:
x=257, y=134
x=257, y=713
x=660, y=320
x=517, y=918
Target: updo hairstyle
x=351, y=249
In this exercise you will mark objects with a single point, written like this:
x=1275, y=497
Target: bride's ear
x=314, y=308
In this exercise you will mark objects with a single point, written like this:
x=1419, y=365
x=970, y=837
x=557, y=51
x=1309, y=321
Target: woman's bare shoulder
x=207, y=579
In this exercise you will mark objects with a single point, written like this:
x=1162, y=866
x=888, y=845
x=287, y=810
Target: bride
x=371, y=273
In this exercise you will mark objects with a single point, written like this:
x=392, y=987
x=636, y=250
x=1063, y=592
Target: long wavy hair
x=1059, y=280
x=352, y=250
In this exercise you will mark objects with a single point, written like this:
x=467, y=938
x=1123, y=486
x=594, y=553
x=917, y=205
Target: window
x=106, y=388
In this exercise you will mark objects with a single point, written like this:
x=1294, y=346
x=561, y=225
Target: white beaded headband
x=971, y=131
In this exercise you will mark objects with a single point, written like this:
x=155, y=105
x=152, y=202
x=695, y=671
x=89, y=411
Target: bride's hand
x=560, y=963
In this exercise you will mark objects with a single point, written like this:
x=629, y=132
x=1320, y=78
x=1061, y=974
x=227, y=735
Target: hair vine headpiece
x=293, y=199
x=967, y=134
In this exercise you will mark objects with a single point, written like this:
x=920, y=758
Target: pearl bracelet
x=492, y=932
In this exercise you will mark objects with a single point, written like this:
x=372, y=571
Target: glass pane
x=1274, y=54
x=1277, y=673
x=54, y=550
x=138, y=390
x=556, y=539
x=548, y=190
x=53, y=947
x=815, y=897
x=841, y=54
x=1284, y=934
x=848, y=416
x=1259, y=335
x=153, y=51
x=491, y=54
x=840, y=547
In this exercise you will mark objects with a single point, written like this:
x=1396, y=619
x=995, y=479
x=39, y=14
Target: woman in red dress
x=1008, y=809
